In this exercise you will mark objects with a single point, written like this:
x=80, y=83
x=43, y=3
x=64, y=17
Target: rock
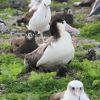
x=62, y=0
x=2, y=88
x=3, y=27
x=3, y=4
x=17, y=4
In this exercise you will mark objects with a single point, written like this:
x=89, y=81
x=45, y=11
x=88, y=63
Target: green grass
x=5, y=46
x=63, y=5
x=3, y=1
x=10, y=66
x=57, y=4
x=6, y=36
x=8, y=13
x=40, y=86
x=91, y=30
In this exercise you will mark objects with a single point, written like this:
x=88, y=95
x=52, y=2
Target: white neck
x=69, y=96
x=63, y=32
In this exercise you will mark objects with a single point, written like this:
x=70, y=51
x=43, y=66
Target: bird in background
x=41, y=18
x=95, y=9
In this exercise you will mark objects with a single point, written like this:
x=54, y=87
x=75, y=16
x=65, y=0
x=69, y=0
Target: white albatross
x=75, y=91
x=57, y=51
x=41, y=18
x=34, y=4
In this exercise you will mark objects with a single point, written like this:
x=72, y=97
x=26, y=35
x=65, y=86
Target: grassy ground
x=40, y=86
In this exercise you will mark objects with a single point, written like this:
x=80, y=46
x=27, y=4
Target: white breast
x=69, y=96
x=59, y=52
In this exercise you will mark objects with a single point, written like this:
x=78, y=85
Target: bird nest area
x=40, y=86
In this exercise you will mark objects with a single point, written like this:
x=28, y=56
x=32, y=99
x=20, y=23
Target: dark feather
x=34, y=56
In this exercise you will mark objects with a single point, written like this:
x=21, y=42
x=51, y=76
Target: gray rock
x=17, y=4
x=3, y=27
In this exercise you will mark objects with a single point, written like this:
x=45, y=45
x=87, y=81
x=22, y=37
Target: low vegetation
x=92, y=31
x=40, y=86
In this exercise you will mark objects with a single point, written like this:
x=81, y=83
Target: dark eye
x=73, y=88
x=80, y=88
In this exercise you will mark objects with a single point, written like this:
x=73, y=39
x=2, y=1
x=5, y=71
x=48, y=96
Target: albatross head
x=58, y=26
x=75, y=87
x=30, y=35
x=68, y=11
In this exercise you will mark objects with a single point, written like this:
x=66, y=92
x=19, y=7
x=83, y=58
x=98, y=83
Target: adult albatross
x=41, y=18
x=57, y=51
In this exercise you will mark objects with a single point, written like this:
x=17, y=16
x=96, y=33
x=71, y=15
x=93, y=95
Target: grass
x=3, y=1
x=6, y=36
x=10, y=66
x=8, y=13
x=5, y=46
x=91, y=30
x=41, y=86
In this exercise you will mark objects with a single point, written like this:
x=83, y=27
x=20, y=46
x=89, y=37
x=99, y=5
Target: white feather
x=68, y=94
x=41, y=18
x=59, y=52
x=31, y=3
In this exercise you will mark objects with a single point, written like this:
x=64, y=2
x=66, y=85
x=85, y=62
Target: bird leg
x=61, y=72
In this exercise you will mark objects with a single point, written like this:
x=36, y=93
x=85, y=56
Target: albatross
x=95, y=9
x=41, y=18
x=57, y=51
x=75, y=91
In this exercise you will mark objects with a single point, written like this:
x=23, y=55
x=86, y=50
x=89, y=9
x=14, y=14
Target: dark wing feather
x=34, y=56
x=57, y=96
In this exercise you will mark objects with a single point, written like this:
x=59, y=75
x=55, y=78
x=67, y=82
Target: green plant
x=92, y=31
x=5, y=46
x=10, y=67
x=6, y=36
